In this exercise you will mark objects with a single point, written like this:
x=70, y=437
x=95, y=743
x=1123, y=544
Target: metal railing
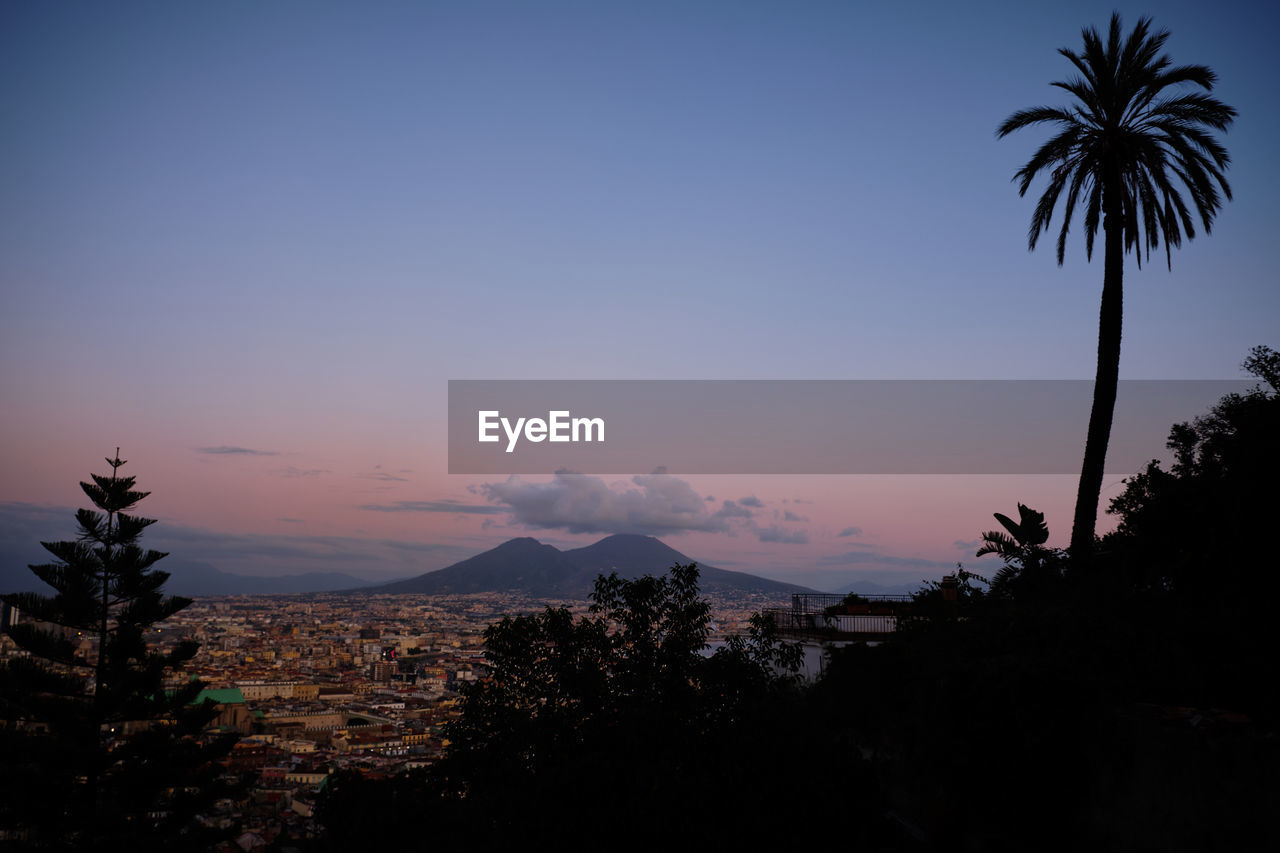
x=826, y=615
x=818, y=624
x=820, y=602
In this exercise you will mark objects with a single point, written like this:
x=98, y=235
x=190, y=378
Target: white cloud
x=652, y=504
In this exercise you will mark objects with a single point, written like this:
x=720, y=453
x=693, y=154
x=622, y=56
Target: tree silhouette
x=1029, y=567
x=1127, y=151
x=561, y=689
x=98, y=754
x=616, y=730
x=1191, y=546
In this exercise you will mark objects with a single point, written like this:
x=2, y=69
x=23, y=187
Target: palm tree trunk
x=1110, y=319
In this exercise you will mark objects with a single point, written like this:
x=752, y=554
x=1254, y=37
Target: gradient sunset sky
x=250, y=242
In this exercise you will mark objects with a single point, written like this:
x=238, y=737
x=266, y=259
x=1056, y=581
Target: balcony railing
x=827, y=616
x=820, y=602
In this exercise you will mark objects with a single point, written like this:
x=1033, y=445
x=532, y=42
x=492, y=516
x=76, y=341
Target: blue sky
x=284, y=226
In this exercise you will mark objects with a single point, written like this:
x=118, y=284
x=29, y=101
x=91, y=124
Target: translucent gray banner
x=808, y=426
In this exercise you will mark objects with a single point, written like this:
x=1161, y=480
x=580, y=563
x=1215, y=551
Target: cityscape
x=315, y=684
x=708, y=425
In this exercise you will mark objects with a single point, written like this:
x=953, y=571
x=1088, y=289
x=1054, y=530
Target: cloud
x=778, y=534
x=449, y=506
x=791, y=516
x=292, y=472
x=850, y=531
x=966, y=544
x=291, y=520
x=382, y=475
x=228, y=450
x=652, y=505
x=733, y=509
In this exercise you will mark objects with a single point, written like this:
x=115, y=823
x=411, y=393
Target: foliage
x=1082, y=696
x=1029, y=567
x=1128, y=151
x=851, y=600
x=619, y=726
x=1122, y=700
x=953, y=597
x=1216, y=500
x=1129, y=144
x=659, y=631
x=1030, y=531
x=556, y=683
x=631, y=672
x=756, y=663
x=1264, y=363
x=96, y=751
x=1192, y=549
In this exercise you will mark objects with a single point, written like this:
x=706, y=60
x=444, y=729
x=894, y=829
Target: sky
x=250, y=243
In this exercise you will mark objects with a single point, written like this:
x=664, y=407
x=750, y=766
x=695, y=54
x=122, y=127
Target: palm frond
x=1034, y=115
x=1092, y=219
x=1077, y=181
x=1032, y=526
x=1131, y=140
x=998, y=543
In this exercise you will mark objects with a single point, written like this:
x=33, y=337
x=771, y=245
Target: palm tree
x=1127, y=151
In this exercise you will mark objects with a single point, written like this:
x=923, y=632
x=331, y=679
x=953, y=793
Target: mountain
x=873, y=588
x=525, y=564
x=195, y=578
x=522, y=564
x=24, y=526
x=529, y=566
x=632, y=556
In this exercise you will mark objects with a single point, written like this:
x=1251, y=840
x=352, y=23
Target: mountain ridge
x=526, y=565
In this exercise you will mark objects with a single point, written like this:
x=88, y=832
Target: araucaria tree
x=1137, y=151
x=96, y=751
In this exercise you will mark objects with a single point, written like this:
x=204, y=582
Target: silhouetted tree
x=1127, y=151
x=627, y=684
x=1029, y=567
x=616, y=729
x=952, y=597
x=97, y=754
x=1192, y=550
x=1127, y=707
